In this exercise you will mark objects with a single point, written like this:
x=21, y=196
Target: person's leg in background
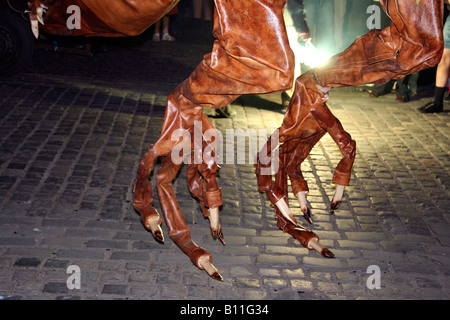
x=442, y=75
x=203, y=14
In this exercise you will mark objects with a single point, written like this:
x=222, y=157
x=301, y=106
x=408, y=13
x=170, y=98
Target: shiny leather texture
x=249, y=56
x=411, y=43
x=130, y=17
x=106, y=18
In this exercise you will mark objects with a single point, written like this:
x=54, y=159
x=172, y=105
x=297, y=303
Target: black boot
x=431, y=107
x=438, y=104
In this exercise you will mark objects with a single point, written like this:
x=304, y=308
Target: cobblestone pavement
x=74, y=128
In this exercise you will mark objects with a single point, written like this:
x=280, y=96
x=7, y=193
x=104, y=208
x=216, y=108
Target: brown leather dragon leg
x=178, y=230
x=248, y=57
x=201, y=177
x=306, y=237
x=143, y=194
x=143, y=197
x=307, y=119
x=412, y=42
x=298, y=134
x=347, y=146
x=406, y=46
x=277, y=190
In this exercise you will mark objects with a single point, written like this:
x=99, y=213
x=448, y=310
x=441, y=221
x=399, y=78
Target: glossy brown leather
x=306, y=121
x=411, y=43
x=249, y=56
x=301, y=234
x=106, y=18
x=130, y=17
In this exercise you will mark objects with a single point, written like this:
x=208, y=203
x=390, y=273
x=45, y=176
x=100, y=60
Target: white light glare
x=310, y=55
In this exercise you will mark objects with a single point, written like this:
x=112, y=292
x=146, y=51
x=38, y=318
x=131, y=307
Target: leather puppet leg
x=289, y=153
x=201, y=175
x=411, y=43
x=178, y=229
x=299, y=132
x=249, y=56
x=112, y=18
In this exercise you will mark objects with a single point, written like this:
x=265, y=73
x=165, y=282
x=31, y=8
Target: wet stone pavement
x=74, y=128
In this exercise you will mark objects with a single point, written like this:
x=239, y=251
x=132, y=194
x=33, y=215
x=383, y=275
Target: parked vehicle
x=17, y=42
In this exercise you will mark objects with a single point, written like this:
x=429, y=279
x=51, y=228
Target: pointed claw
x=216, y=229
x=216, y=276
x=34, y=25
x=39, y=14
x=314, y=244
x=304, y=205
x=327, y=253
x=334, y=206
x=307, y=215
x=218, y=234
x=337, y=198
x=152, y=223
x=204, y=263
x=158, y=236
x=287, y=213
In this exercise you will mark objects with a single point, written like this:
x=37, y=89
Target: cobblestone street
x=72, y=133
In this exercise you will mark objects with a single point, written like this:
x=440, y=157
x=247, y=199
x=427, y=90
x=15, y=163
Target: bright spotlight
x=309, y=55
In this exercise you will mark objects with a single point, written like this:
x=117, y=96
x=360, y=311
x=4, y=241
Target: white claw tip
x=286, y=211
x=206, y=264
